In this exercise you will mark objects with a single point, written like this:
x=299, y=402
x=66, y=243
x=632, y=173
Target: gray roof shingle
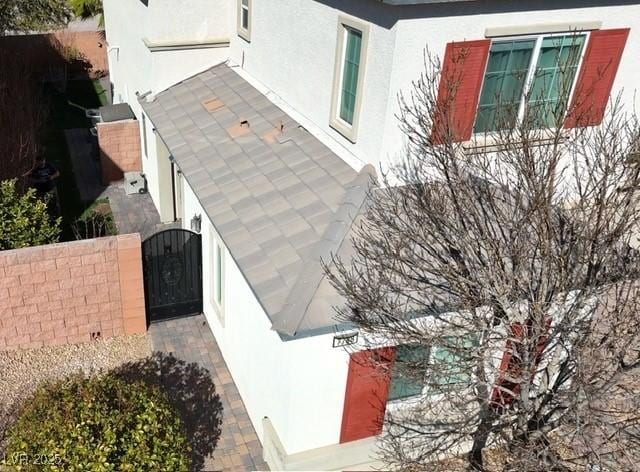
x=280, y=200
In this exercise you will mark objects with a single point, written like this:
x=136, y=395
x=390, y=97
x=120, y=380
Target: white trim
x=216, y=256
x=545, y=28
x=185, y=44
x=145, y=144
x=353, y=455
x=244, y=33
x=349, y=131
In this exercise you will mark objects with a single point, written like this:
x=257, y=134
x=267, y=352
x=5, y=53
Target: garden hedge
x=101, y=423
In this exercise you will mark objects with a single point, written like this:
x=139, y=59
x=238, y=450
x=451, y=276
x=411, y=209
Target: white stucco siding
x=299, y=385
x=193, y=19
x=292, y=53
x=126, y=24
x=134, y=68
x=293, y=43
x=171, y=67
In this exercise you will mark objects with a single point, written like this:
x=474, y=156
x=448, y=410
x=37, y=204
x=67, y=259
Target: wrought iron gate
x=172, y=262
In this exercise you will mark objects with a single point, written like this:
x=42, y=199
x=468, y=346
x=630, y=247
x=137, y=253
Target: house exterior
x=268, y=120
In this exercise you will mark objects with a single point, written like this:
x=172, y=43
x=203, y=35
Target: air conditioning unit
x=135, y=182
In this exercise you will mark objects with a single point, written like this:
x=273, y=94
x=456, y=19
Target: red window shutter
x=367, y=392
x=461, y=79
x=599, y=68
x=510, y=365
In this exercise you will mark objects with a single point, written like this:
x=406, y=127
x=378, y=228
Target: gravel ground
x=22, y=371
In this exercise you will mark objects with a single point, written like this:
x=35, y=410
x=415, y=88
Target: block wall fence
x=71, y=292
x=43, y=51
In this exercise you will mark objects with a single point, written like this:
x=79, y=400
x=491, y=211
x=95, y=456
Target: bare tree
x=505, y=272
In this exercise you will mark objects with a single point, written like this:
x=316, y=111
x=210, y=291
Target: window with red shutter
x=463, y=69
x=486, y=86
x=599, y=69
x=366, y=393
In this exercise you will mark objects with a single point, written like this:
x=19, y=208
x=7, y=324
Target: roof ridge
x=302, y=293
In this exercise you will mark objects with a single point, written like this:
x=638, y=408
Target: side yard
x=67, y=111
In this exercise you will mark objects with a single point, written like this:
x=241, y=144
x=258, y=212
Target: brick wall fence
x=70, y=292
x=120, y=149
x=44, y=51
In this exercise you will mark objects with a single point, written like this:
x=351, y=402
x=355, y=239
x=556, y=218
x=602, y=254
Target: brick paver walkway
x=190, y=339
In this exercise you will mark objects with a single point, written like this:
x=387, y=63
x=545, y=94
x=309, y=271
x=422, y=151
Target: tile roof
x=279, y=198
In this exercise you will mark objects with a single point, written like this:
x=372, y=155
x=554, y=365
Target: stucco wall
x=120, y=149
x=134, y=68
x=293, y=56
x=62, y=293
x=299, y=384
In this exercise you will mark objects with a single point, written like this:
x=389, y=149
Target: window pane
x=410, y=359
x=553, y=79
x=449, y=363
x=245, y=18
x=350, y=72
x=503, y=84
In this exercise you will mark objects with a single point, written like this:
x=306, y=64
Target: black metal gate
x=172, y=262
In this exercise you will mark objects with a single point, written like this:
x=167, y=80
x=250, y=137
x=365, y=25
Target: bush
x=101, y=424
x=24, y=219
x=95, y=222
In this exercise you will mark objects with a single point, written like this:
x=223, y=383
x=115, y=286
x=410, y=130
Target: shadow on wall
x=76, y=55
x=190, y=390
x=386, y=16
x=120, y=149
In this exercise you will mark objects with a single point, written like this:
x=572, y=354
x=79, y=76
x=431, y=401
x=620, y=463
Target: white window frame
x=397, y=403
x=217, y=253
x=144, y=135
x=244, y=33
x=539, y=37
x=349, y=131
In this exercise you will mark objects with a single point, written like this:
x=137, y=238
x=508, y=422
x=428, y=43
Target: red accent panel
x=463, y=70
x=599, y=68
x=365, y=399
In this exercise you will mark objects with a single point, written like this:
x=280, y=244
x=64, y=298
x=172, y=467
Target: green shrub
x=24, y=219
x=99, y=424
x=95, y=222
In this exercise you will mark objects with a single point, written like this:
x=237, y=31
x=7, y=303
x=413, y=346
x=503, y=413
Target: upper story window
x=244, y=19
x=534, y=74
x=349, y=76
x=557, y=80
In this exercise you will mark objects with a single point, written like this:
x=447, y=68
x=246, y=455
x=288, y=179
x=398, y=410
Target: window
x=216, y=257
x=144, y=134
x=218, y=275
x=350, y=69
x=244, y=19
x=409, y=356
x=445, y=362
x=349, y=76
x=529, y=75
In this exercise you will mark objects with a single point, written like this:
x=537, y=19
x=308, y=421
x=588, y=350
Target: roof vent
x=272, y=136
x=212, y=104
x=239, y=130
